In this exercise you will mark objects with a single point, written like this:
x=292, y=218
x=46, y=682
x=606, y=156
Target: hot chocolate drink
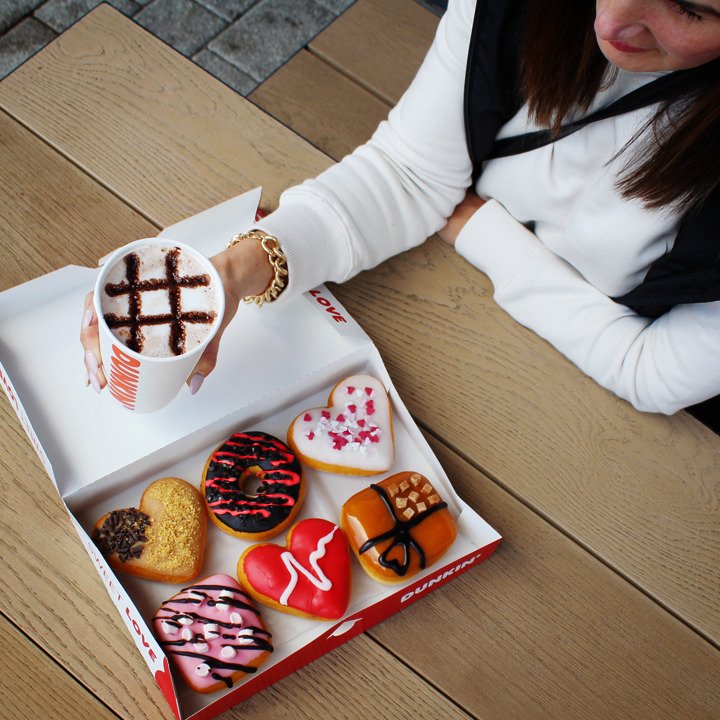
x=159, y=300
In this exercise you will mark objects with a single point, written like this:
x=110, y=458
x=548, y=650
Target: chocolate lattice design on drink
x=133, y=287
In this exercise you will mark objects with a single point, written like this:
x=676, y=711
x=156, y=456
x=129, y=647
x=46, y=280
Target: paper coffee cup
x=143, y=382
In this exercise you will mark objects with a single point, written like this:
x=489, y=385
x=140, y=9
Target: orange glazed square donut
x=398, y=527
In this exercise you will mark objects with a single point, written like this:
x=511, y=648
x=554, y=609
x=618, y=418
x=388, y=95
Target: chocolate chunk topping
x=122, y=534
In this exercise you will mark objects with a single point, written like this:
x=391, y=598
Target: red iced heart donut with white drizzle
x=309, y=577
x=352, y=435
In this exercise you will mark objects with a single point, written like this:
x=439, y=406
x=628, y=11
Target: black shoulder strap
x=492, y=93
x=666, y=87
x=690, y=271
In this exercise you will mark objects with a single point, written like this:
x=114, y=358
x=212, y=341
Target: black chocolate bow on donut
x=400, y=535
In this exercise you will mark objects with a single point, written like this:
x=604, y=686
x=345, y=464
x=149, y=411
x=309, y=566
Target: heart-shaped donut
x=163, y=539
x=213, y=634
x=309, y=577
x=352, y=435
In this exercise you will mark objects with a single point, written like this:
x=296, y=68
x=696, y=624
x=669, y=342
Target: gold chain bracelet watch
x=277, y=260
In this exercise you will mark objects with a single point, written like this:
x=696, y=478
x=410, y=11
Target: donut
x=398, y=527
x=212, y=633
x=352, y=435
x=279, y=495
x=309, y=577
x=163, y=539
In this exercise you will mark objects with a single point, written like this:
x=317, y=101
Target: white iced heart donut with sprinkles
x=352, y=435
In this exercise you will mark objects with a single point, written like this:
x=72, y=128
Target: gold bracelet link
x=277, y=260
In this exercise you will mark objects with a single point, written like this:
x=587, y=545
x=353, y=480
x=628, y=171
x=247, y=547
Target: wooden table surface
x=603, y=600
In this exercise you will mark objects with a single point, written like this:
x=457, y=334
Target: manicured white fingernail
x=87, y=318
x=95, y=382
x=196, y=382
x=91, y=362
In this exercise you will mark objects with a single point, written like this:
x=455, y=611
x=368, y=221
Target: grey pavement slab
x=269, y=34
x=61, y=14
x=241, y=42
x=183, y=24
x=336, y=6
x=12, y=11
x=126, y=7
x=225, y=72
x=21, y=42
x=228, y=9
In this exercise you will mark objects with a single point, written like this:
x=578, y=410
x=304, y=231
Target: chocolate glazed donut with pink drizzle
x=272, y=507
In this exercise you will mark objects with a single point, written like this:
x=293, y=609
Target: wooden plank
x=52, y=593
x=379, y=44
x=36, y=684
x=167, y=114
x=544, y=631
x=638, y=490
x=355, y=680
x=50, y=590
x=49, y=211
x=321, y=105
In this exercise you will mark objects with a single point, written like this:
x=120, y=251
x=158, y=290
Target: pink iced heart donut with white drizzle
x=352, y=435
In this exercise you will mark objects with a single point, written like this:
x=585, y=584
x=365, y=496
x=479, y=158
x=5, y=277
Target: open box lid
x=83, y=437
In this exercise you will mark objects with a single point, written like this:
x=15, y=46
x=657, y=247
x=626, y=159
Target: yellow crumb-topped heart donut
x=352, y=435
x=163, y=539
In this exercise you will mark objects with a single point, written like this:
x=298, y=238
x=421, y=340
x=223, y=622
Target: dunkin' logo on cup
x=124, y=376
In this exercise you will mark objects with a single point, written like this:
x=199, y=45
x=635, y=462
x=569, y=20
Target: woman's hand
x=244, y=270
x=90, y=341
x=461, y=214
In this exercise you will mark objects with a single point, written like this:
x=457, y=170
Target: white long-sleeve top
x=587, y=244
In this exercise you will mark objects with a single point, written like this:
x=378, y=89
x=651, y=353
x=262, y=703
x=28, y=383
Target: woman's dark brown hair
x=562, y=69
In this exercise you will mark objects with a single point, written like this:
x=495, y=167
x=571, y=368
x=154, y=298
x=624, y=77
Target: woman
x=561, y=228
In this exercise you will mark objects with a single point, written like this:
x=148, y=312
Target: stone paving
x=240, y=42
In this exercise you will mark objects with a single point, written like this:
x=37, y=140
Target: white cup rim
x=143, y=242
